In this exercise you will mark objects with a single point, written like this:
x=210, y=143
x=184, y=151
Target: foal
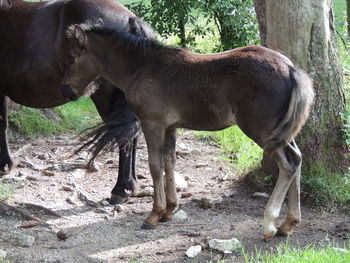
x=254, y=87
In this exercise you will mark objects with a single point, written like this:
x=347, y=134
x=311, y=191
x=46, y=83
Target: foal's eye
x=70, y=59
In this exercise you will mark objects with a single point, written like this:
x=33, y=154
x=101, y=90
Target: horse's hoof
x=117, y=199
x=147, y=226
x=282, y=233
x=269, y=236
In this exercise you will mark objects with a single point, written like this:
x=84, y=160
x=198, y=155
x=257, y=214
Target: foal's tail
x=300, y=105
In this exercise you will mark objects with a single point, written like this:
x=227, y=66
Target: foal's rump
x=276, y=100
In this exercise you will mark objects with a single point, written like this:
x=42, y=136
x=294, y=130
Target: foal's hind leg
x=154, y=135
x=294, y=213
x=289, y=161
x=5, y=159
x=169, y=161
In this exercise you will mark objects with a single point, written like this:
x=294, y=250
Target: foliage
x=310, y=254
x=6, y=191
x=75, y=117
x=234, y=20
x=244, y=154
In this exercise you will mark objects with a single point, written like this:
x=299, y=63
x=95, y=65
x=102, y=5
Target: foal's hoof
x=147, y=226
x=117, y=199
x=165, y=219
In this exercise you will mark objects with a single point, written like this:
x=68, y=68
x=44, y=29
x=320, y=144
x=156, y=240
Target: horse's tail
x=5, y=4
x=119, y=131
x=300, y=104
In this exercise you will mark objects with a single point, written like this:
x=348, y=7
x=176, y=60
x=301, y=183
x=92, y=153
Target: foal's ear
x=134, y=26
x=77, y=34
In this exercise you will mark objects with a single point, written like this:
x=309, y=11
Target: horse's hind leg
x=169, y=161
x=126, y=174
x=5, y=159
x=289, y=162
x=294, y=213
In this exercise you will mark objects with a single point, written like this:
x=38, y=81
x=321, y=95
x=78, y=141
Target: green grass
x=74, y=117
x=6, y=191
x=286, y=254
x=242, y=152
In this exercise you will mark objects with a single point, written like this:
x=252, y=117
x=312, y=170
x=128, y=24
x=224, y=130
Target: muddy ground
x=55, y=189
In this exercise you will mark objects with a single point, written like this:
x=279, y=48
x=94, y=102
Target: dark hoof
x=9, y=165
x=147, y=226
x=280, y=233
x=117, y=199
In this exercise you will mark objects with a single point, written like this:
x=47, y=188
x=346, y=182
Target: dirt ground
x=55, y=189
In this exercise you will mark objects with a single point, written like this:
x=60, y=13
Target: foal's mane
x=140, y=41
x=5, y=4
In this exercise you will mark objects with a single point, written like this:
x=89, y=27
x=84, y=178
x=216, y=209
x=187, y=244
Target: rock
x=257, y=194
x=180, y=215
x=48, y=173
x=186, y=195
x=24, y=164
x=147, y=191
x=70, y=200
x=182, y=149
x=26, y=240
x=33, y=178
x=28, y=224
x=104, y=203
x=3, y=254
x=78, y=173
x=67, y=188
x=68, y=232
x=208, y=202
x=226, y=246
x=180, y=182
x=193, y=251
x=109, y=161
x=199, y=165
x=119, y=208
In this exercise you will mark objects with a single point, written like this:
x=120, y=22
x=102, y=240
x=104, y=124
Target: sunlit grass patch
x=6, y=191
x=244, y=154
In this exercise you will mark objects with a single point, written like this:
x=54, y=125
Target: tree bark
x=348, y=15
x=260, y=10
x=303, y=30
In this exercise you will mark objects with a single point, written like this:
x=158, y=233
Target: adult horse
x=34, y=55
x=254, y=87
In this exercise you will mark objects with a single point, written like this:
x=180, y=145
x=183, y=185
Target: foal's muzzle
x=68, y=92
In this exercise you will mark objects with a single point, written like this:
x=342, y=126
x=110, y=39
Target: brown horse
x=254, y=87
x=33, y=58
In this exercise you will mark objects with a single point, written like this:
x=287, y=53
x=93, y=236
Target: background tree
x=307, y=36
x=234, y=20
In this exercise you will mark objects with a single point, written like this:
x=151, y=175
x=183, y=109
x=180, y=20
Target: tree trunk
x=303, y=30
x=260, y=10
x=348, y=15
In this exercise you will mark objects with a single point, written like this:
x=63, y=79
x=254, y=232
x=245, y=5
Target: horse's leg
x=126, y=175
x=112, y=106
x=289, y=161
x=169, y=162
x=5, y=159
x=294, y=213
x=154, y=135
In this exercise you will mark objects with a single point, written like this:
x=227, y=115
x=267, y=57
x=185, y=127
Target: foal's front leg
x=154, y=135
x=169, y=160
x=5, y=159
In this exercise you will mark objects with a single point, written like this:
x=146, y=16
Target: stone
x=193, y=251
x=3, y=254
x=26, y=240
x=180, y=182
x=147, y=191
x=104, y=203
x=119, y=208
x=257, y=194
x=67, y=188
x=199, y=165
x=208, y=202
x=48, y=173
x=225, y=245
x=180, y=215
